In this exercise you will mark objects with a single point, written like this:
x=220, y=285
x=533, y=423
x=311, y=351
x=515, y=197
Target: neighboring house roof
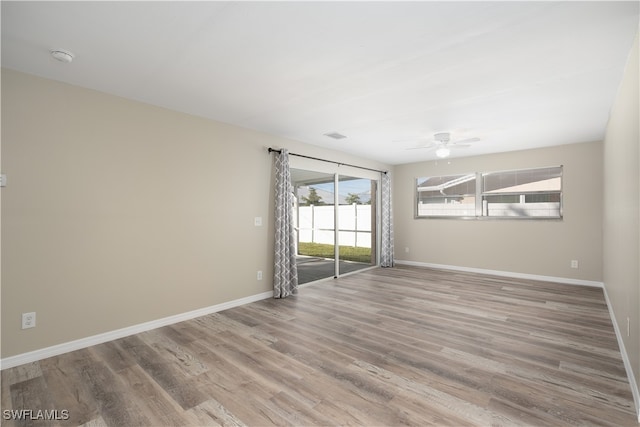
x=553, y=184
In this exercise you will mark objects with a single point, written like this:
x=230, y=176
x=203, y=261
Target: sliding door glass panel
x=356, y=223
x=315, y=225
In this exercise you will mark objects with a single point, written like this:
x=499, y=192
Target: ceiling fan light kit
x=442, y=137
x=443, y=152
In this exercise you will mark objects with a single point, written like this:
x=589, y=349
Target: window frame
x=480, y=212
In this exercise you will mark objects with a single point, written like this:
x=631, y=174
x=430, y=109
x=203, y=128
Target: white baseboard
x=563, y=280
x=625, y=357
x=34, y=356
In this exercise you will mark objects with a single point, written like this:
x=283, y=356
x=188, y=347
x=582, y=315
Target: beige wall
x=540, y=247
x=621, y=210
x=117, y=212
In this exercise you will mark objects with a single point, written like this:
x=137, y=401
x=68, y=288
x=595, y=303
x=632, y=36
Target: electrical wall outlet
x=574, y=263
x=28, y=320
x=259, y=275
x=257, y=221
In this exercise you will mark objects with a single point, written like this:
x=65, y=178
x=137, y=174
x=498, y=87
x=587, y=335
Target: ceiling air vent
x=335, y=135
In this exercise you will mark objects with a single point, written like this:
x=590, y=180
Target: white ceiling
x=516, y=75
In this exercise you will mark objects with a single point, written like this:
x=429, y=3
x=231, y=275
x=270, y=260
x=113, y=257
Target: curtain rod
x=328, y=161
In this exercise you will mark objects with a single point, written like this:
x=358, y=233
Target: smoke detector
x=62, y=55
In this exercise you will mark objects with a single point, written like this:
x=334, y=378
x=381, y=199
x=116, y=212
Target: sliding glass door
x=315, y=224
x=356, y=223
x=333, y=210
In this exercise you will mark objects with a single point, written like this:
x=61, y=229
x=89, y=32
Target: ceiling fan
x=443, y=144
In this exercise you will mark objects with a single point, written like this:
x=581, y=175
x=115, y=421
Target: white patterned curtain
x=386, y=250
x=285, y=280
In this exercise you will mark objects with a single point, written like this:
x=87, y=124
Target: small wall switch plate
x=258, y=221
x=28, y=320
x=259, y=275
x=3, y=180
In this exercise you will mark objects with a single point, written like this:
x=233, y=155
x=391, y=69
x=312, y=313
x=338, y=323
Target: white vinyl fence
x=533, y=210
x=316, y=225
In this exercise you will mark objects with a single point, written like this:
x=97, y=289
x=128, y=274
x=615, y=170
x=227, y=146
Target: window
x=528, y=193
x=532, y=193
x=453, y=195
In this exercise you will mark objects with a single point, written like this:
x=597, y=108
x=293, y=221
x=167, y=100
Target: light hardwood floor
x=400, y=346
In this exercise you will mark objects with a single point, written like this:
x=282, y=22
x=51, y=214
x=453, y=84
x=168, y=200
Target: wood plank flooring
x=384, y=347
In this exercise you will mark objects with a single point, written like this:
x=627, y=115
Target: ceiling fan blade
x=432, y=145
x=422, y=147
x=412, y=139
x=464, y=141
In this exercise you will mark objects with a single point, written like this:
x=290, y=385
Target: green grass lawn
x=347, y=253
